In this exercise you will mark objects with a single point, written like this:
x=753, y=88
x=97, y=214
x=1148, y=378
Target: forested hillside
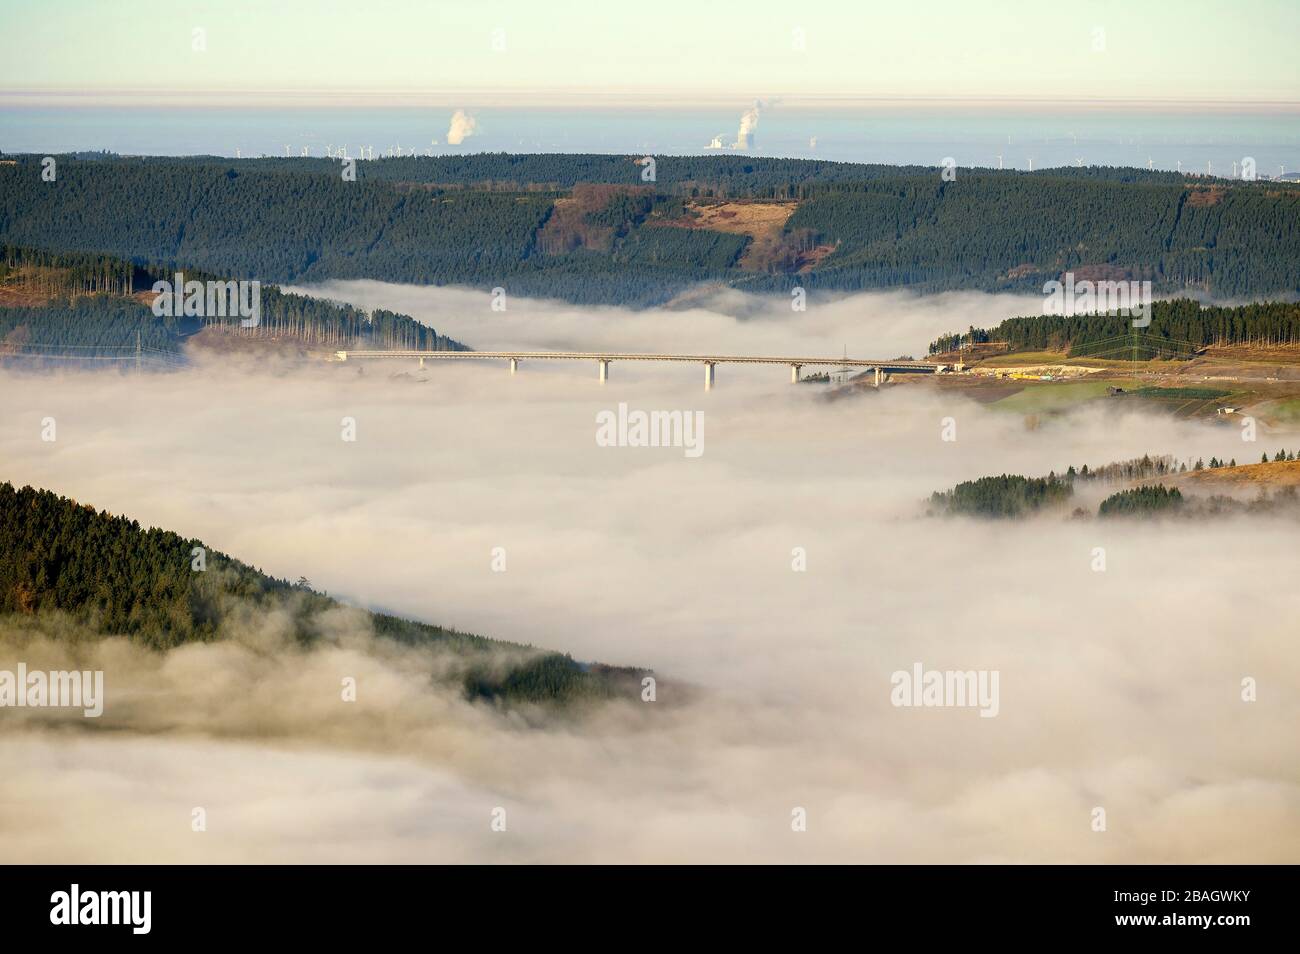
x=1009, y=495
x=511, y=221
x=1177, y=328
x=1016, y=496
x=108, y=572
x=96, y=305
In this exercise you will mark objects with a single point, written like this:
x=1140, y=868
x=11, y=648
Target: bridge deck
x=625, y=356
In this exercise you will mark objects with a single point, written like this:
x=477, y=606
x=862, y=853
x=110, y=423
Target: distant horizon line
x=325, y=98
x=1189, y=174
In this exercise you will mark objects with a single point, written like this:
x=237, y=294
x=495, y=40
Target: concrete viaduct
x=603, y=360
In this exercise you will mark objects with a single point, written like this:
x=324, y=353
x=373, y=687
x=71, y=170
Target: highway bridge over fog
x=604, y=359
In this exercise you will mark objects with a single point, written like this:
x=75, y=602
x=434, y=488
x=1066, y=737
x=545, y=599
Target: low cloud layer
x=1119, y=689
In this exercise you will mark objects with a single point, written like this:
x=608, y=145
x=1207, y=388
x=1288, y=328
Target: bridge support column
x=604, y=370
x=877, y=384
x=514, y=365
x=422, y=362
x=794, y=373
x=709, y=376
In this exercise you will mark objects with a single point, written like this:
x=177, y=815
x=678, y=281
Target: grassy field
x=1051, y=396
x=1017, y=359
x=1023, y=358
x=1287, y=411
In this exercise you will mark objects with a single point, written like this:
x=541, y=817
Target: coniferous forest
x=90, y=304
x=1017, y=496
x=1008, y=495
x=489, y=220
x=1177, y=329
x=154, y=587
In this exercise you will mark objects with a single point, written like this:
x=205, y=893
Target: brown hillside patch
x=772, y=249
x=810, y=259
x=785, y=252
x=1102, y=273
x=1282, y=473
x=754, y=219
x=22, y=296
x=1286, y=354
x=568, y=227
x=1212, y=195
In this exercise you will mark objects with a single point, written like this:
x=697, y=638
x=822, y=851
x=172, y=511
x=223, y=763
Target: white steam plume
x=748, y=123
x=463, y=125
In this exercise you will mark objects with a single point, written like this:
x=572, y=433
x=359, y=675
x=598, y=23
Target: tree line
x=1177, y=327
x=1007, y=495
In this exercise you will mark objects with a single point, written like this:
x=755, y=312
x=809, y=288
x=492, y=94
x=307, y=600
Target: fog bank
x=1118, y=689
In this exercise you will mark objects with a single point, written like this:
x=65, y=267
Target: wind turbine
x=1234, y=168
x=1078, y=161
x=286, y=150
x=1180, y=165
x=1149, y=163
x=1031, y=163
x=999, y=160
x=1207, y=168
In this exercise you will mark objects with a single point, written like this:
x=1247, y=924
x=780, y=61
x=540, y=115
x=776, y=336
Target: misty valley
x=358, y=508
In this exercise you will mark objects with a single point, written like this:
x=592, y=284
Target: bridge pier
x=604, y=370
x=794, y=373
x=877, y=384
x=709, y=369
x=514, y=365
x=421, y=362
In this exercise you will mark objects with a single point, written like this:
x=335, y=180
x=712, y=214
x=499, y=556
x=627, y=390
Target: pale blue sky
x=576, y=51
